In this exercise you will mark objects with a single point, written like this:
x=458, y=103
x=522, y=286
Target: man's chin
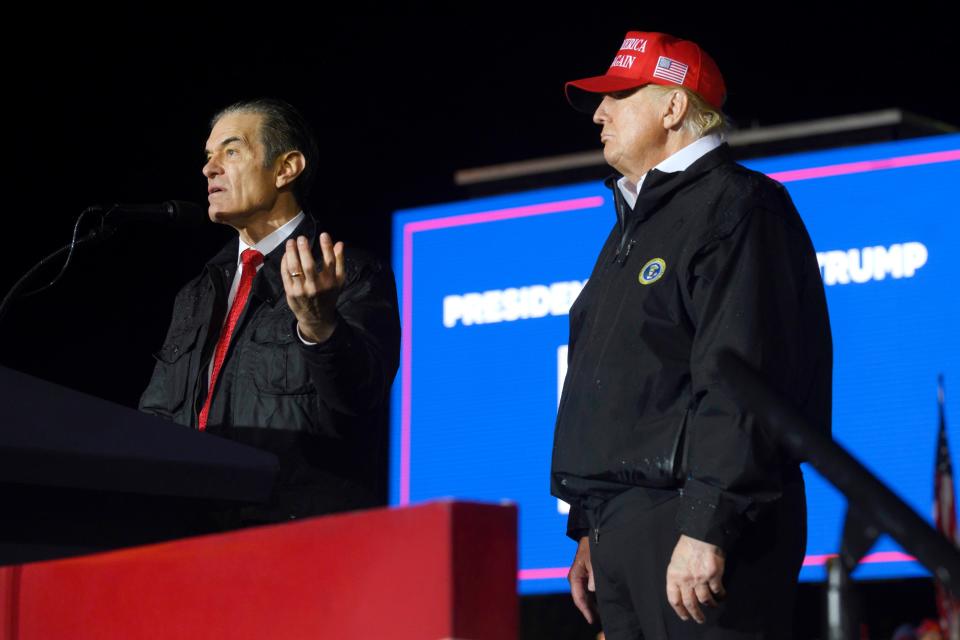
x=218, y=215
x=235, y=219
x=611, y=156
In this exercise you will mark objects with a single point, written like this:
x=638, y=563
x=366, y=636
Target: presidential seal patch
x=652, y=271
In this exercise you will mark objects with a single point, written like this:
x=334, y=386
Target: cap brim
x=586, y=94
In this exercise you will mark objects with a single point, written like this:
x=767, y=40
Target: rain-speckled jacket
x=320, y=408
x=713, y=257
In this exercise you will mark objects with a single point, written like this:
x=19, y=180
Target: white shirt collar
x=679, y=161
x=273, y=240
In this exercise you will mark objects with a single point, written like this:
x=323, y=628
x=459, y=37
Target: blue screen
x=486, y=284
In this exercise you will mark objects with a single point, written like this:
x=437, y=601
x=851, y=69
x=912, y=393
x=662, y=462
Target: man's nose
x=211, y=168
x=600, y=115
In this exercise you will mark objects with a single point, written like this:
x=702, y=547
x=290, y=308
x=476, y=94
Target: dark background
x=115, y=108
x=104, y=109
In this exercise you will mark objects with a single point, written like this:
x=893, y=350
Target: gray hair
x=701, y=118
x=283, y=129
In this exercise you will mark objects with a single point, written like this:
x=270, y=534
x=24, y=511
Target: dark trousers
x=637, y=535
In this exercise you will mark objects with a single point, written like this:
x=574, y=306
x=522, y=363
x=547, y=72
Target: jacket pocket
x=177, y=346
x=644, y=453
x=168, y=388
x=274, y=361
x=678, y=458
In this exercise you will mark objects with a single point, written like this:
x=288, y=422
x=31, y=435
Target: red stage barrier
x=438, y=570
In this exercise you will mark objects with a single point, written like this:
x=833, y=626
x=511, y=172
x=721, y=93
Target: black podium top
x=52, y=436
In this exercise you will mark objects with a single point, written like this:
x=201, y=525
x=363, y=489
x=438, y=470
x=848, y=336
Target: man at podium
x=287, y=341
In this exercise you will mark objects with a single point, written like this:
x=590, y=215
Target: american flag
x=671, y=70
x=945, y=518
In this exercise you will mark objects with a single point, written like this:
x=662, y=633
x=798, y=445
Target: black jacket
x=714, y=257
x=319, y=408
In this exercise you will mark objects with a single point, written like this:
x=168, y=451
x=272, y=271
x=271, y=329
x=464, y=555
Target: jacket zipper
x=625, y=230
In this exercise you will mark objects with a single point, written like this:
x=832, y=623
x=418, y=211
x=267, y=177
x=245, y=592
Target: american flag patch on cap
x=668, y=69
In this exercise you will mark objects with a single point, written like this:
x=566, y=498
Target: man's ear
x=288, y=166
x=675, y=107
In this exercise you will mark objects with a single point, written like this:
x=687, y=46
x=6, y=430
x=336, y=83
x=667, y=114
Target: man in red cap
x=683, y=509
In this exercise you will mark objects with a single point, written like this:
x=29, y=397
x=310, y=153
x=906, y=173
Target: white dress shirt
x=676, y=162
x=265, y=246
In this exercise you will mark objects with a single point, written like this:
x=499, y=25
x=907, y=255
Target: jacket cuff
x=577, y=524
x=339, y=339
x=296, y=326
x=710, y=514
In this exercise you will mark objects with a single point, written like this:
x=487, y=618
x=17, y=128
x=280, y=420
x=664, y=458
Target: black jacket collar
x=659, y=186
x=268, y=285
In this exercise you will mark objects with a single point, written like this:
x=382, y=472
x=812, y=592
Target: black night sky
x=106, y=107
x=114, y=109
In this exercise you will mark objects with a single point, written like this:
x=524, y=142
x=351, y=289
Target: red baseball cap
x=657, y=58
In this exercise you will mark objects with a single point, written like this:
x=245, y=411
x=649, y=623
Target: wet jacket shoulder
x=711, y=258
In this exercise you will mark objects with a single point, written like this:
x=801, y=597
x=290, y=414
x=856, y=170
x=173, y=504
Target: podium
x=436, y=571
x=79, y=474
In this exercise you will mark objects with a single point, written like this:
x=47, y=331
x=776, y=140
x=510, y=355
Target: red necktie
x=251, y=259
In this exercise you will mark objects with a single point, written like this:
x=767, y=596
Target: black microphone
x=170, y=211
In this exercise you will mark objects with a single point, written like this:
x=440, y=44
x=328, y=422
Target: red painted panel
x=439, y=570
